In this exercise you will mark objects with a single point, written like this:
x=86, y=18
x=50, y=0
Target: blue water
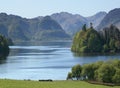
x=46, y=60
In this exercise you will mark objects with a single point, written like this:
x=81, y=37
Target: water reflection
x=3, y=59
x=56, y=43
x=94, y=54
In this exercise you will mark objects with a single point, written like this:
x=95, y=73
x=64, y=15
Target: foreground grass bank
x=54, y=84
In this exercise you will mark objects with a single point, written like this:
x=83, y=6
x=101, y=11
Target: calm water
x=48, y=60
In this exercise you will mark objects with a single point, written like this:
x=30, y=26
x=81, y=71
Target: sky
x=34, y=8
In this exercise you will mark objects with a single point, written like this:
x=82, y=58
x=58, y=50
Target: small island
x=92, y=41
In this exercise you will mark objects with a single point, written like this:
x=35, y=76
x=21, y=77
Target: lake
x=43, y=60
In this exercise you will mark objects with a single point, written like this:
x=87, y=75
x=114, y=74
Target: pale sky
x=34, y=8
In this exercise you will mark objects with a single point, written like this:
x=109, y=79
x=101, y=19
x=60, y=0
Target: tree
x=69, y=76
x=108, y=72
x=4, y=48
x=117, y=45
x=88, y=71
x=94, y=41
x=105, y=48
x=112, y=44
x=116, y=77
x=88, y=41
x=84, y=27
x=91, y=25
x=116, y=64
x=105, y=73
x=76, y=71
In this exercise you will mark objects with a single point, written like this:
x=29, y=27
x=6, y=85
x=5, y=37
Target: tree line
x=88, y=40
x=106, y=72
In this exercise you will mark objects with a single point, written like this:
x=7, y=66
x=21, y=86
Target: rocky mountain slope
x=73, y=23
x=113, y=17
x=96, y=19
x=22, y=29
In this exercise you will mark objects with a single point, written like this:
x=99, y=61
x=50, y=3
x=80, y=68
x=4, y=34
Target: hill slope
x=49, y=29
x=96, y=19
x=113, y=17
x=21, y=29
x=73, y=23
x=69, y=22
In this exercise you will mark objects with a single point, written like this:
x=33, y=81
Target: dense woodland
x=107, y=72
x=92, y=41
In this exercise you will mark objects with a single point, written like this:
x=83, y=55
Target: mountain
x=113, y=17
x=4, y=48
x=96, y=19
x=73, y=23
x=14, y=27
x=49, y=29
x=70, y=23
x=60, y=26
x=21, y=29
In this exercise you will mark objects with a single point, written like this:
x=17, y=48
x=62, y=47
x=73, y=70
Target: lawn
x=54, y=84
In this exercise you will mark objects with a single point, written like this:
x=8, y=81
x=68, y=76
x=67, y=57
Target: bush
x=76, y=71
x=107, y=72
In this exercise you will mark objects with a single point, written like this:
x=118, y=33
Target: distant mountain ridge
x=73, y=23
x=113, y=17
x=49, y=29
x=70, y=23
x=22, y=29
x=96, y=19
x=58, y=26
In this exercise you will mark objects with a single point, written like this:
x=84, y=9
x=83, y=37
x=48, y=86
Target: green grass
x=54, y=84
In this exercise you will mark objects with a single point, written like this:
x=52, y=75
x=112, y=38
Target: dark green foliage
x=69, y=76
x=105, y=48
x=117, y=45
x=88, y=41
x=111, y=37
x=116, y=77
x=76, y=71
x=84, y=27
x=112, y=44
x=4, y=49
x=116, y=63
x=91, y=25
x=108, y=72
x=91, y=41
x=105, y=73
x=88, y=71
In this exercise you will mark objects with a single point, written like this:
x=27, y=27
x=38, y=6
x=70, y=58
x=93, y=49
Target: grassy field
x=54, y=84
